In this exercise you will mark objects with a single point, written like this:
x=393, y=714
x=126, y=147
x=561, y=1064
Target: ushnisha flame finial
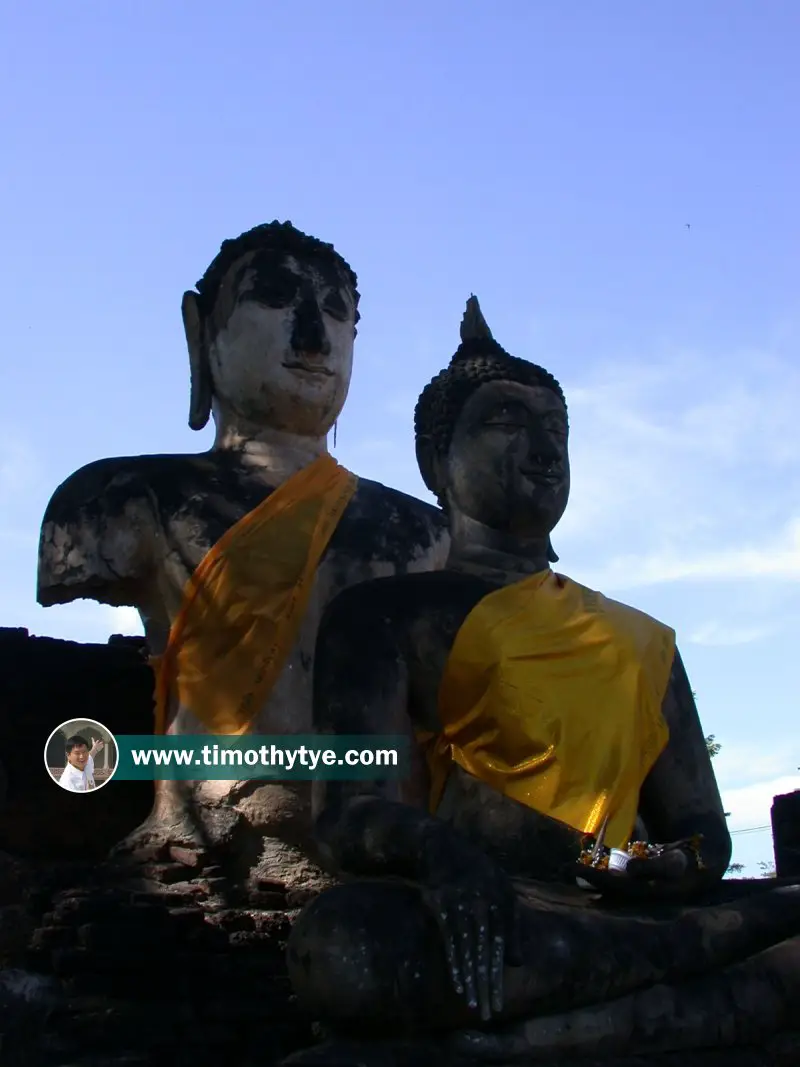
x=473, y=324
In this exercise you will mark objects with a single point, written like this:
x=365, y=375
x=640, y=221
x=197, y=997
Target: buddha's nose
x=308, y=334
x=544, y=461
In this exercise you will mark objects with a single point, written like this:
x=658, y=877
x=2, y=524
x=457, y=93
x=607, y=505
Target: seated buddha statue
x=230, y=555
x=542, y=714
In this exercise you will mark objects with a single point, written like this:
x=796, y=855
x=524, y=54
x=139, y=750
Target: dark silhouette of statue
x=231, y=555
x=542, y=713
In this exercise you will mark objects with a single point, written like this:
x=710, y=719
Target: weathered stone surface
x=185, y=962
x=414, y=943
x=16, y=930
x=14, y=880
x=270, y=332
x=165, y=873
x=188, y=857
x=154, y=980
x=26, y=1001
x=414, y=1054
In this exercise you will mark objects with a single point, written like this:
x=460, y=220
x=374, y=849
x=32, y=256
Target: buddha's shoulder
x=108, y=486
x=380, y=514
x=625, y=616
x=375, y=499
x=407, y=598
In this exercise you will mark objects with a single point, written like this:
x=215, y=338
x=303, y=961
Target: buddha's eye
x=276, y=290
x=557, y=429
x=507, y=417
x=335, y=306
x=509, y=424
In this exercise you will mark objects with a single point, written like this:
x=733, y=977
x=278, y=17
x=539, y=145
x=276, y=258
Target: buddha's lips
x=544, y=477
x=308, y=367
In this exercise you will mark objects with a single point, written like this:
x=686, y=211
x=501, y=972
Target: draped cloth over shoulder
x=244, y=604
x=552, y=694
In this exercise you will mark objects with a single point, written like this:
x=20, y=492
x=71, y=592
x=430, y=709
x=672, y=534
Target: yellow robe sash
x=243, y=605
x=552, y=694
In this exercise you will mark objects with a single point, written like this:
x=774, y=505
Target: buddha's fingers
x=496, y=979
x=446, y=923
x=466, y=950
x=483, y=941
x=498, y=931
x=745, y=1004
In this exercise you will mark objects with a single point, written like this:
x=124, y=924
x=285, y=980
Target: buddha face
x=281, y=343
x=508, y=464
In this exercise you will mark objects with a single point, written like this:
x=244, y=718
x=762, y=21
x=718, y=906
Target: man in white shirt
x=78, y=776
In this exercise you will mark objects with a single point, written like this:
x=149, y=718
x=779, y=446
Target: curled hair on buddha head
x=271, y=237
x=478, y=360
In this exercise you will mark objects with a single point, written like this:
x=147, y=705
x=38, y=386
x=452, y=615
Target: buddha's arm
x=361, y=688
x=680, y=797
x=94, y=538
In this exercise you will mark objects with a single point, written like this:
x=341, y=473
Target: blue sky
x=545, y=156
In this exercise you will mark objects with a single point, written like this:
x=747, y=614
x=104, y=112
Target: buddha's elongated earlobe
x=201, y=388
x=551, y=552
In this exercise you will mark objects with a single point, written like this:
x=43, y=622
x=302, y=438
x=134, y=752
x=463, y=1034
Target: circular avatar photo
x=81, y=755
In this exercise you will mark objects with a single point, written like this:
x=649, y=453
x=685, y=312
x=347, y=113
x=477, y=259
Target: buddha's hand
x=675, y=864
x=670, y=875
x=676, y=870
x=477, y=912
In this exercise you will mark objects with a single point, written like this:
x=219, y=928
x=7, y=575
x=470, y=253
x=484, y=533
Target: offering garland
x=592, y=857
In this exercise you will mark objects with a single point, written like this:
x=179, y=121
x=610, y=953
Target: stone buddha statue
x=543, y=715
x=231, y=555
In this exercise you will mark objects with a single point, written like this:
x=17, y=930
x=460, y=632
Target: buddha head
x=491, y=437
x=270, y=330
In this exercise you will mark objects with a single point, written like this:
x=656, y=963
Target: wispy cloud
x=750, y=806
x=756, y=763
x=750, y=776
x=718, y=634
x=778, y=558
x=685, y=468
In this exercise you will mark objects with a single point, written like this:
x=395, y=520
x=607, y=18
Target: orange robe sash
x=244, y=604
x=552, y=695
